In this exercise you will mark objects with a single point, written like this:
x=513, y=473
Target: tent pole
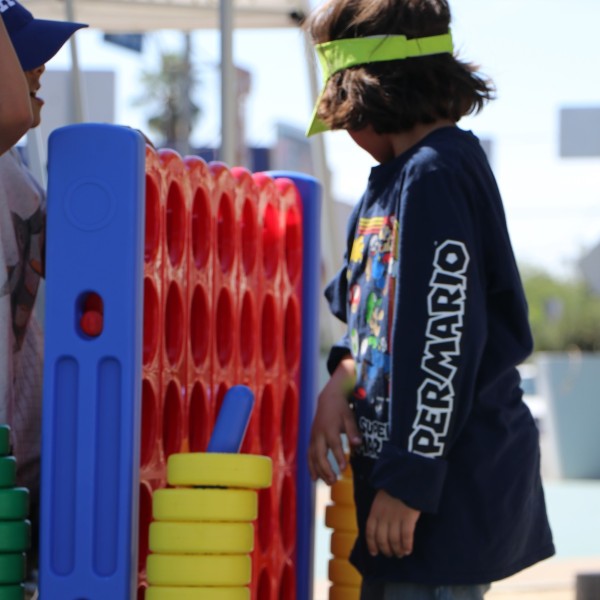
x=228, y=96
x=332, y=329
x=77, y=113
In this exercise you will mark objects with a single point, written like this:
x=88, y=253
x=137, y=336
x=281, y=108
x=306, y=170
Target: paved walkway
x=553, y=579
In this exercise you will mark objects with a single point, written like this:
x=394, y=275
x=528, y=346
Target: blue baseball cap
x=35, y=41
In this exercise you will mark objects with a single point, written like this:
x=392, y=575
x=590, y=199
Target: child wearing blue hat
x=445, y=454
x=22, y=224
x=35, y=42
x=15, y=108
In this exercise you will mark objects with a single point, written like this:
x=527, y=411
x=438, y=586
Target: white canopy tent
x=139, y=16
x=130, y=16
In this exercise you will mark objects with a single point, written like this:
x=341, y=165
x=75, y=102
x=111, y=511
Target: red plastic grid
x=291, y=224
x=152, y=473
x=224, y=283
x=276, y=527
x=200, y=415
x=145, y=518
x=150, y=423
x=200, y=301
x=275, y=543
x=175, y=242
x=200, y=261
x=246, y=205
x=223, y=280
x=153, y=261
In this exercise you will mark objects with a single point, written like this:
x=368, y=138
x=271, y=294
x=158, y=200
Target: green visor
x=341, y=54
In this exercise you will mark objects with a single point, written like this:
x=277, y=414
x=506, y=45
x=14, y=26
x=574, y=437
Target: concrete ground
x=554, y=579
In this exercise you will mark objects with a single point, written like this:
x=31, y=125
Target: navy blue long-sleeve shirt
x=437, y=322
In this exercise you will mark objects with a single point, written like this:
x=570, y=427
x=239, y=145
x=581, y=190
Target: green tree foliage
x=168, y=92
x=564, y=313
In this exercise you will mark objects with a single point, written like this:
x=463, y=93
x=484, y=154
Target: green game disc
x=8, y=470
x=12, y=568
x=15, y=536
x=4, y=440
x=12, y=592
x=14, y=504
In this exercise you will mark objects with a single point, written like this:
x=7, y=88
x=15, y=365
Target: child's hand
x=391, y=526
x=333, y=418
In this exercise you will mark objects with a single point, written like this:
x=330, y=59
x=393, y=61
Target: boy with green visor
x=444, y=452
x=342, y=54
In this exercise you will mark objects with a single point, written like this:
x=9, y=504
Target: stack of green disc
x=15, y=529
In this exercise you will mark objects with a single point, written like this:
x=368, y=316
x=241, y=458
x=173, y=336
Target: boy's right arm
x=15, y=105
x=332, y=419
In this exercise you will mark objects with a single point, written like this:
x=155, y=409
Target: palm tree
x=169, y=91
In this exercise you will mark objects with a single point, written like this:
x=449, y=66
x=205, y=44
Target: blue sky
x=542, y=55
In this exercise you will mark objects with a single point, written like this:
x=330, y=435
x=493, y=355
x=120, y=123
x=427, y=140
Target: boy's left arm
x=391, y=526
x=438, y=335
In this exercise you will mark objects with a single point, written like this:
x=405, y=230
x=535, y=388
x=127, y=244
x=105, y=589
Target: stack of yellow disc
x=341, y=517
x=203, y=533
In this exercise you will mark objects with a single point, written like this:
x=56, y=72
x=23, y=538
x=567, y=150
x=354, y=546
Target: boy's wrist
x=345, y=373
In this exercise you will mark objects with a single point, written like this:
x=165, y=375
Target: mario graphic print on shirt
x=371, y=278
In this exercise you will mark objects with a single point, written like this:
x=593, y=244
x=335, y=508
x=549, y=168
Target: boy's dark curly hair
x=395, y=96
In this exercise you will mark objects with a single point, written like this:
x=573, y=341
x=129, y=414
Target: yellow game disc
x=201, y=538
x=192, y=570
x=204, y=504
x=342, y=543
x=197, y=593
x=343, y=573
x=342, y=492
x=340, y=517
x=347, y=472
x=342, y=592
x=248, y=471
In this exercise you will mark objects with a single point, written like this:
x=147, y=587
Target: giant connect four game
x=172, y=282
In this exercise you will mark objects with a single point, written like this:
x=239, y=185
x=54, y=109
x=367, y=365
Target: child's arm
x=333, y=418
x=457, y=289
x=391, y=526
x=15, y=106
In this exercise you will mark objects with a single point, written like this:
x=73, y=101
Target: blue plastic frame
x=92, y=385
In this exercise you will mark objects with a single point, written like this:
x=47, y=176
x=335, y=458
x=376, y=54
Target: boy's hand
x=391, y=526
x=333, y=418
